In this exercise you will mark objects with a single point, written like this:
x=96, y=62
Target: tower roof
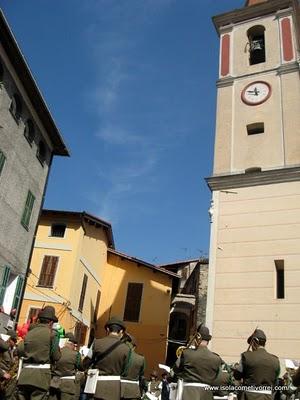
x=253, y=2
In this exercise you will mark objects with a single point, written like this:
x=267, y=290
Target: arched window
x=1, y=72
x=41, y=152
x=16, y=107
x=257, y=50
x=29, y=131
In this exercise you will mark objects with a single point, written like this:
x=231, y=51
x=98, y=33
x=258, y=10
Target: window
x=33, y=312
x=97, y=305
x=48, y=271
x=256, y=128
x=279, y=266
x=252, y=170
x=80, y=333
x=58, y=230
x=18, y=292
x=256, y=36
x=41, y=152
x=133, y=302
x=16, y=107
x=2, y=161
x=29, y=131
x=82, y=294
x=4, y=278
x=27, y=210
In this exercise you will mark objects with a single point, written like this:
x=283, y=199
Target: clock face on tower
x=256, y=93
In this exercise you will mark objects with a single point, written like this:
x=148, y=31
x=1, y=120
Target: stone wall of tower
x=256, y=226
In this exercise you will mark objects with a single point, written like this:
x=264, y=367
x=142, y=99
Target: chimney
x=253, y=2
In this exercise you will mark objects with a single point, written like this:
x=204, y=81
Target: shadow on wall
x=140, y=296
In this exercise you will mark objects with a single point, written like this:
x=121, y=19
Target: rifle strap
x=108, y=351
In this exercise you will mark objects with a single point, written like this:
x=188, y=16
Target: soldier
x=198, y=368
x=64, y=384
x=39, y=350
x=8, y=366
x=257, y=368
x=110, y=356
x=132, y=383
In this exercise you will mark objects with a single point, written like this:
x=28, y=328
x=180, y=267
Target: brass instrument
x=13, y=372
x=194, y=341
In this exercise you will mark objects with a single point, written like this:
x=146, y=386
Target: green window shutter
x=27, y=210
x=4, y=282
x=18, y=292
x=2, y=161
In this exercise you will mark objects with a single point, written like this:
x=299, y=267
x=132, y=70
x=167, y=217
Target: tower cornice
x=247, y=13
x=223, y=182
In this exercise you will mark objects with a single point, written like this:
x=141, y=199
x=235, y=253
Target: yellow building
x=66, y=270
x=76, y=269
x=140, y=293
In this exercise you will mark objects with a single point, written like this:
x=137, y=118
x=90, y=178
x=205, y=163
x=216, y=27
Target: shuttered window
x=82, y=294
x=33, y=312
x=27, y=210
x=4, y=277
x=18, y=292
x=80, y=333
x=2, y=161
x=97, y=306
x=133, y=302
x=48, y=271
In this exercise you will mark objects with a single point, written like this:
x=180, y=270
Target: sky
x=131, y=86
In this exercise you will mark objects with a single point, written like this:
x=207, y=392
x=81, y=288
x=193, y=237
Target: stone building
x=254, y=274
x=188, y=303
x=29, y=139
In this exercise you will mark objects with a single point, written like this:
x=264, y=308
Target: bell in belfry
x=256, y=45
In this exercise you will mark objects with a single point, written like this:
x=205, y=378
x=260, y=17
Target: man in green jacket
x=8, y=366
x=109, y=356
x=66, y=386
x=198, y=368
x=133, y=380
x=40, y=349
x=257, y=369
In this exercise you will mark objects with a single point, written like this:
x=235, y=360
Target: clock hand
x=255, y=92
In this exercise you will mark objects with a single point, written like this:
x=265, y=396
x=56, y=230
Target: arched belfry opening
x=257, y=48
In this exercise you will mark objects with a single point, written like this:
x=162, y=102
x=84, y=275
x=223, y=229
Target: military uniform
x=8, y=364
x=113, y=365
x=198, y=368
x=66, y=386
x=39, y=350
x=258, y=368
x=130, y=383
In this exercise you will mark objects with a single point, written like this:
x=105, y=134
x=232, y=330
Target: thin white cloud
x=116, y=135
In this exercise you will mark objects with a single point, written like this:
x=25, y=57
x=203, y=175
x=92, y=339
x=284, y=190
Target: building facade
x=188, y=303
x=254, y=274
x=29, y=139
x=67, y=270
x=140, y=293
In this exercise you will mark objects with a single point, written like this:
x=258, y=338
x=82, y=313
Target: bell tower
x=255, y=231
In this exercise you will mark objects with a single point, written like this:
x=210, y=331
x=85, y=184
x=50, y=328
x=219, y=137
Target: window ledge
x=44, y=287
